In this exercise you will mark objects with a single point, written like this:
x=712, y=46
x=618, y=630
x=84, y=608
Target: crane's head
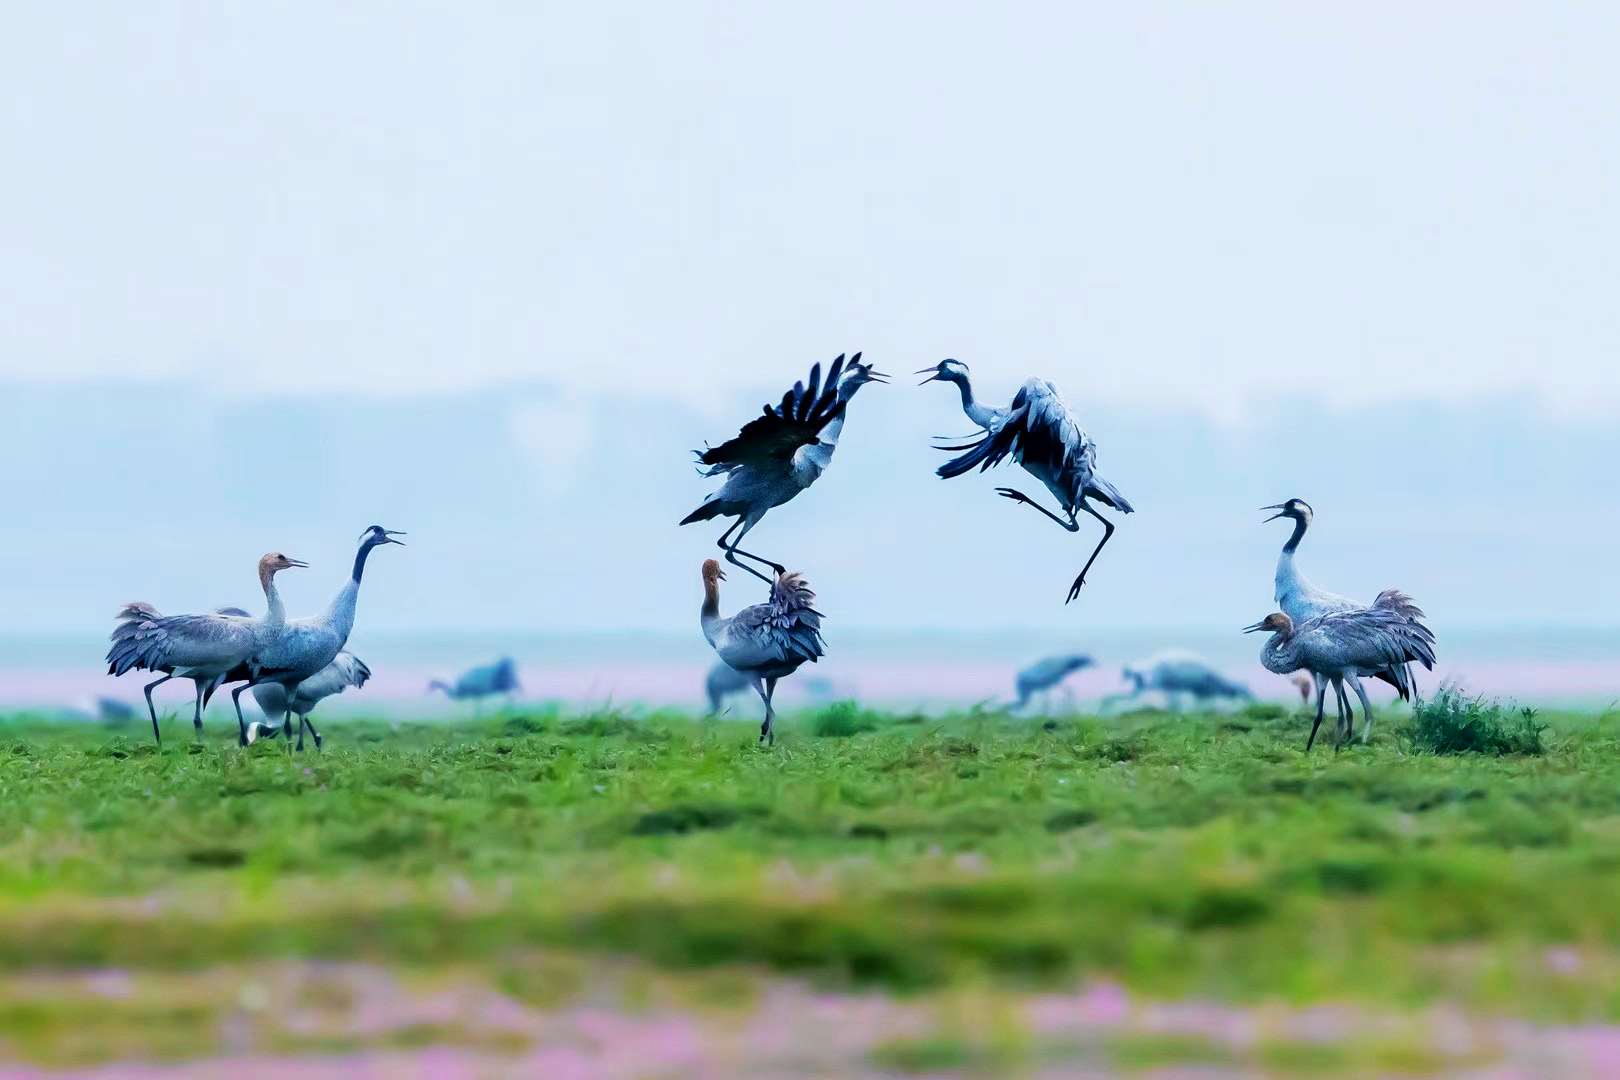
x=1276, y=623
x=712, y=574
x=275, y=561
x=857, y=374
x=1076, y=662
x=1298, y=509
x=377, y=536
x=947, y=370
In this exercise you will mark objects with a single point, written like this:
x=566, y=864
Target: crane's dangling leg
x=156, y=735
x=1366, y=709
x=732, y=550
x=1321, y=696
x=1108, y=531
x=241, y=724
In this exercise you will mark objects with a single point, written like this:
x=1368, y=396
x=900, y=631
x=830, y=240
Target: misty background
x=489, y=274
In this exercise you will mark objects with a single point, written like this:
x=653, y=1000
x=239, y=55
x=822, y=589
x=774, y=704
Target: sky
x=274, y=272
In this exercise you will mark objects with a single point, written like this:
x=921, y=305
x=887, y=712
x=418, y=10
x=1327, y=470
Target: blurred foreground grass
x=1183, y=857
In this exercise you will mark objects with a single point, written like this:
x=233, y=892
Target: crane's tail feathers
x=702, y=513
x=1104, y=492
x=978, y=455
x=1400, y=603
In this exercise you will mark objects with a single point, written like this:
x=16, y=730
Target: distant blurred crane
x=202, y=648
x=1302, y=601
x=300, y=699
x=1341, y=646
x=1042, y=435
x=779, y=454
x=1044, y=675
x=478, y=683
x=722, y=681
x=1304, y=684
x=1176, y=673
x=765, y=642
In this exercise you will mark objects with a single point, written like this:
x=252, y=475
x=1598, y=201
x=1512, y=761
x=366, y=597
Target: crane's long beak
x=925, y=371
x=1261, y=625
x=1277, y=506
x=300, y=563
x=877, y=376
x=389, y=535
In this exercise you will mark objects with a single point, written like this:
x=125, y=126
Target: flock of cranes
x=783, y=451
x=293, y=664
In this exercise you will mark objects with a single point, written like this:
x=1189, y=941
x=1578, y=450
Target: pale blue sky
x=272, y=272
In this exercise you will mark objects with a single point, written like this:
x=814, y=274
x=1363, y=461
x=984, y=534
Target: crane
x=778, y=454
x=481, y=682
x=298, y=649
x=1305, y=685
x=202, y=648
x=765, y=642
x=722, y=681
x=1041, y=434
x=300, y=699
x=1176, y=673
x=1302, y=601
x=1341, y=646
x=1045, y=674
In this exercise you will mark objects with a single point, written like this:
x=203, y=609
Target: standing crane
x=300, y=699
x=302, y=647
x=765, y=642
x=202, y=648
x=1045, y=674
x=1041, y=434
x=1302, y=601
x=1305, y=685
x=1177, y=674
x=1341, y=646
x=722, y=681
x=481, y=682
x=779, y=454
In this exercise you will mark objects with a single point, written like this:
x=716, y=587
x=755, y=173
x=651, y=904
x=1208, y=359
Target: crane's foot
x=1015, y=495
x=1074, y=590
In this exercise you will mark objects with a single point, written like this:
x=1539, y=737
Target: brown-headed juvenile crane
x=1343, y=646
x=779, y=454
x=765, y=642
x=202, y=648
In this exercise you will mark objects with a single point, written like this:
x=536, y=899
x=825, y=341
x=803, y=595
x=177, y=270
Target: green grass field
x=199, y=900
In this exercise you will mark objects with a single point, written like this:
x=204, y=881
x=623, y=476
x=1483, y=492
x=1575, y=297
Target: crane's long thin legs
x=732, y=551
x=769, y=730
x=1342, y=733
x=1108, y=531
x=1321, y=697
x=241, y=724
x=156, y=735
x=1366, y=709
x=304, y=723
x=1018, y=496
x=196, y=716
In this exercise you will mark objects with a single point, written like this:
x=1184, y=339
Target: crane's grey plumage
x=722, y=681
x=301, y=647
x=1046, y=673
x=767, y=641
x=779, y=454
x=202, y=648
x=1040, y=433
x=1174, y=672
x=1340, y=646
x=481, y=682
x=300, y=699
x=1302, y=601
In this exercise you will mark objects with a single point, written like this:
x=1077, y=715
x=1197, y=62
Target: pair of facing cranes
x=783, y=451
x=290, y=664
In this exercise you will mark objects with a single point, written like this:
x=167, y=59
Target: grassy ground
x=558, y=859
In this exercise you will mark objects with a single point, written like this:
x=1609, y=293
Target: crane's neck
x=341, y=614
x=275, y=613
x=710, y=615
x=1289, y=580
x=982, y=415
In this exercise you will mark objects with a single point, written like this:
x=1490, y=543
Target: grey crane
x=1045, y=674
x=1041, y=434
x=298, y=649
x=722, y=681
x=779, y=454
x=1341, y=646
x=1302, y=601
x=481, y=682
x=765, y=642
x=1176, y=673
x=300, y=699
x=202, y=648
x=1304, y=684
